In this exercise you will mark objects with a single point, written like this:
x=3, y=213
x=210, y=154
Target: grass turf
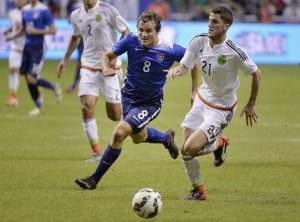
x=40, y=157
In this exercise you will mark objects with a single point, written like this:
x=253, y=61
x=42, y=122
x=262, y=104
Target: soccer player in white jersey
x=15, y=54
x=216, y=102
x=98, y=24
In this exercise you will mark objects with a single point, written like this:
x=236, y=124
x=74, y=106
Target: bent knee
x=30, y=79
x=189, y=150
x=119, y=135
x=114, y=116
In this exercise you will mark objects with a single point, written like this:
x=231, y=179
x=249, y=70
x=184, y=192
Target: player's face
x=147, y=33
x=89, y=3
x=20, y=3
x=216, y=27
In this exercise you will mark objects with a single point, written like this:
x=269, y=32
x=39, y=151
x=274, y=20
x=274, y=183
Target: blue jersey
x=145, y=77
x=40, y=16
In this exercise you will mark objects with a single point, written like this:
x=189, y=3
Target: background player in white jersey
x=16, y=49
x=215, y=104
x=98, y=24
x=142, y=93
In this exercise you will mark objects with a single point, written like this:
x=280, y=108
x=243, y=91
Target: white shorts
x=212, y=121
x=15, y=59
x=95, y=83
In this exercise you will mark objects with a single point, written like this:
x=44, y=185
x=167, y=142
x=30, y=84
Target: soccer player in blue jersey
x=37, y=22
x=142, y=93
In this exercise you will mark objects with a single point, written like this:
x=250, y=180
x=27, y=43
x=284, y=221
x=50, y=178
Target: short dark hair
x=226, y=14
x=150, y=16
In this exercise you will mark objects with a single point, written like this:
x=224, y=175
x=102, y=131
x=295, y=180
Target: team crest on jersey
x=160, y=57
x=36, y=15
x=222, y=59
x=98, y=18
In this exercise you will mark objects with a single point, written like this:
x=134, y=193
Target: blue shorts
x=139, y=115
x=32, y=60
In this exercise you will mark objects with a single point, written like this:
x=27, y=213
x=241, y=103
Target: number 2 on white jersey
x=90, y=28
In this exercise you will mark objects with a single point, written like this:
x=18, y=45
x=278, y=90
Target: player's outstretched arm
x=19, y=32
x=73, y=43
x=177, y=71
x=195, y=71
x=31, y=30
x=107, y=60
x=249, y=109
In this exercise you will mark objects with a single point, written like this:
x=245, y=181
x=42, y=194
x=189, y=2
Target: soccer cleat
x=198, y=193
x=220, y=153
x=35, y=112
x=58, y=93
x=86, y=183
x=94, y=158
x=171, y=146
x=12, y=101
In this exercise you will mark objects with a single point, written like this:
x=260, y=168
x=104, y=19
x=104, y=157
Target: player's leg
x=112, y=152
x=55, y=87
x=89, y=124
x=13, y=85
x=26, y=69
x=15, y=58
x=38, y=62
x=88, y=93
x=111, y=89
x=192, y=169
x=194, y=139
x=35, y=94
x=139, y=116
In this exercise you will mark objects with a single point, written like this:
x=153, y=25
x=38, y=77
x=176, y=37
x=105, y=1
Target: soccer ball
x=147, y=203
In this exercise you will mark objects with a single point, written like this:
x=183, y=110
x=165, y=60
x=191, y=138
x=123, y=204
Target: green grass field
x=40, y=157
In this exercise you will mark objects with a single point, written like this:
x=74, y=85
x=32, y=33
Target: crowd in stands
x=263, y=11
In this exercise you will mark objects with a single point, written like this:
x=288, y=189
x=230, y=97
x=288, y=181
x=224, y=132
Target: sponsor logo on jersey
x=160, y=57
x=222, y=59
x=98, y=18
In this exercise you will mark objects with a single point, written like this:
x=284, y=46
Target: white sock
x=15, y=82
x=90, y=129
x=209, y=148
x=192, y=169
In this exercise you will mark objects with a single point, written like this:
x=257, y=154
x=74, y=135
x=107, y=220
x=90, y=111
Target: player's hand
x=60, y=67
x=193, y=96
x=109, y=72
x=251, y=116
x=30, y=29
x=173, y=72
x=8, y=38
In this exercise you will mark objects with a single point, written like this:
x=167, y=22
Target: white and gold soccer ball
x=147, y=203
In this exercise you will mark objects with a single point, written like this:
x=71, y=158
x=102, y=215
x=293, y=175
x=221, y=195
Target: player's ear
x=227, y=26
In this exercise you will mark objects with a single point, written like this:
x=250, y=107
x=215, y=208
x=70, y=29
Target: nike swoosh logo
x=106, y=163
x=137, y=49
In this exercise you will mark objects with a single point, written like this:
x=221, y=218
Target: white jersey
x=99, y=29
x=220, y=67
x=15, y=17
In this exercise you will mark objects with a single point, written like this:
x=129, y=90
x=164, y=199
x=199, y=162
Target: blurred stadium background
x=268, y=30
